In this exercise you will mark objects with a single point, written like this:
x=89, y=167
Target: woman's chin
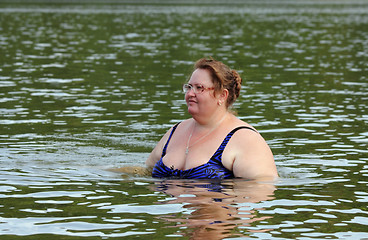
x=192, y=110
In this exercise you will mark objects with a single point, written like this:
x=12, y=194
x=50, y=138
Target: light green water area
x=86, y=86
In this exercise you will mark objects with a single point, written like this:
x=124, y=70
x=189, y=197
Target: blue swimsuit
x=213, y=169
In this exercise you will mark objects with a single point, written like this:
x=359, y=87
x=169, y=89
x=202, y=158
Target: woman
x=213, y=143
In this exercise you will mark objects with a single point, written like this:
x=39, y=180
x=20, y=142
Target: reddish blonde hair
x=222, y=77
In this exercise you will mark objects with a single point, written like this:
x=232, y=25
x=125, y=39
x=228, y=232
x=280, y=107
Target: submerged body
x=139, y=171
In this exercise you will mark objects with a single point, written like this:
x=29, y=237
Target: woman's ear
x=223, y=96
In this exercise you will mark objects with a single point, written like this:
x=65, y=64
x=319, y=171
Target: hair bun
x=237, y=82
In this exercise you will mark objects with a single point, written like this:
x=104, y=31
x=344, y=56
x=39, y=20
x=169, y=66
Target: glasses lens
x=186, y=88
x=199, y=89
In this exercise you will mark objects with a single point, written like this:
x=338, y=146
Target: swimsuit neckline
x=225, y=141
x=186, y=170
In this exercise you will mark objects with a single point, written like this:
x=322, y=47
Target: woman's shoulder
x=182, y=123
x=177, y=125
x=245, y=132
x=238, y=123
x=249, y=154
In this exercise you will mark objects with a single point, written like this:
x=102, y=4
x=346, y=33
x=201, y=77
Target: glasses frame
x=197, y=88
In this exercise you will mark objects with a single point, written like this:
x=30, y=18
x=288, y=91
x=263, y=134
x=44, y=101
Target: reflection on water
x=215, y=210
x=89, y=87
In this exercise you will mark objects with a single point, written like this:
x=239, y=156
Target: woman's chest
x=183, y=157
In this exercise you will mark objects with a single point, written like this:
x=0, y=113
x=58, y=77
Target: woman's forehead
x=200, y=76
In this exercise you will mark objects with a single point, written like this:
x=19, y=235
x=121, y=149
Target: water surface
x=89, y=87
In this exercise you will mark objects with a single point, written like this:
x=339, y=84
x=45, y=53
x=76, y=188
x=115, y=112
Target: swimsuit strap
x=230, y=134
x=217, y=156
x=219, y=150
x=168, y=140
x=236, y=129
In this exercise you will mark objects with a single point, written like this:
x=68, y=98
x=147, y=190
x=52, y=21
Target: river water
x=85, y=88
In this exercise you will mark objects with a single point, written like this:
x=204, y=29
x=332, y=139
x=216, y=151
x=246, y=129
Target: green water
x=85, y=87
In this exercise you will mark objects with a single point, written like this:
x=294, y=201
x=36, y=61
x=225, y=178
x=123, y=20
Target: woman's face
x=201, y=103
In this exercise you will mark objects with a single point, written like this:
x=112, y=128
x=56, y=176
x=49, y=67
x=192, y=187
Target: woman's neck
x=210, y=121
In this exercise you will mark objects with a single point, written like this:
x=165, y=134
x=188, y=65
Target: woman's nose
x=190, y=92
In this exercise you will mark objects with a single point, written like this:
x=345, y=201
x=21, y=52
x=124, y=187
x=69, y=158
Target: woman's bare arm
x=253, y=158
x=156, y=153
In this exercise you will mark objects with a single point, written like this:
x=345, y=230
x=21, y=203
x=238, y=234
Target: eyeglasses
x=197, y=89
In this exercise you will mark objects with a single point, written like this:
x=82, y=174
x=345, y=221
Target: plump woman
x=214, y=143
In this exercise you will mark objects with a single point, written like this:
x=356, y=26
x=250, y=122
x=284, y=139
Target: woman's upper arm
x=156, y=153
x=253, y=157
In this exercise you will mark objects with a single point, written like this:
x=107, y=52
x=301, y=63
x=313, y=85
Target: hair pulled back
x=222, y=77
